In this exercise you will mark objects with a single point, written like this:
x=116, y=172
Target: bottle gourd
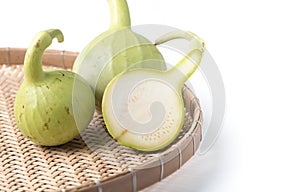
x=150, y=113
x=51, y=107
x=116, y=50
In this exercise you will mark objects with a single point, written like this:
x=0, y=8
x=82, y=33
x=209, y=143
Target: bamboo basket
x=25, y=166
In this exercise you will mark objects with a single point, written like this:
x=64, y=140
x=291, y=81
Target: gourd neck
x=119, y=14
x=33, y=70
x=183, y=70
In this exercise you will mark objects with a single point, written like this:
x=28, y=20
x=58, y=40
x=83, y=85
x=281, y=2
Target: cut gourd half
x=143, y=108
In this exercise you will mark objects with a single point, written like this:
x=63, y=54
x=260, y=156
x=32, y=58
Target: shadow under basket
x=101, y=165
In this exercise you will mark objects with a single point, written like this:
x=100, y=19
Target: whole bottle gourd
x=116, y=50
x=51, y=107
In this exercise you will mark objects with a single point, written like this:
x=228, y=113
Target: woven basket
x=25, y=166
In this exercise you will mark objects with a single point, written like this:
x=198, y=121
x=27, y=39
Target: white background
x=256, y=45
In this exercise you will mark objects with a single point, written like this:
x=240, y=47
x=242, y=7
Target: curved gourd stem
x=187, y=65
x=33, y=70
x=119, y=14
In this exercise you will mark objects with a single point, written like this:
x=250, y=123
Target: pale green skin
x=123, y=48
x=51, y=108
x=172, y=99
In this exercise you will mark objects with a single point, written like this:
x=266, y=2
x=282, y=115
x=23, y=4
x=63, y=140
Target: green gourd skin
x=150, y=114
x=116, y=50
x=51, y=107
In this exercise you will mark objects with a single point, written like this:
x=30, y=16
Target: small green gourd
x=51, y=107
x=116, y=50
x=143, y=108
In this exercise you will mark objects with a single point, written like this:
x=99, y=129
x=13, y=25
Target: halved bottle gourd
x=51, y=107
x=143, y=108
x=116, y=50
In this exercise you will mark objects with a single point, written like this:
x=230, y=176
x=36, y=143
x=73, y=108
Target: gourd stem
x=189, y=64
x=33, y=70
x=119, y=14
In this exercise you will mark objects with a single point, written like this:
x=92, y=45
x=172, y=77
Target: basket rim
x=140, y=177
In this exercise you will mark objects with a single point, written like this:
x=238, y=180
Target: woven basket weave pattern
x=25, y=166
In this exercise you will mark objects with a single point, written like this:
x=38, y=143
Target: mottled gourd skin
x=46, y=117
x=53, y=107
x=116, y=50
